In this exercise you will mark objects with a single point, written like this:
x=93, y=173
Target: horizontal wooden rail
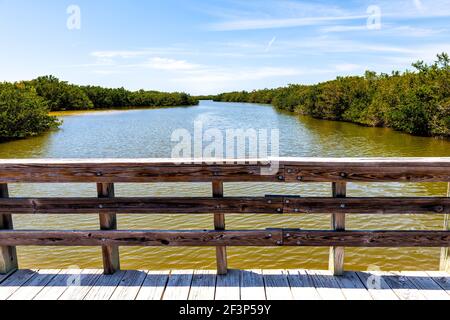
x=104, y=173
x=229, y=205
x=284, y=170
x=199, y=238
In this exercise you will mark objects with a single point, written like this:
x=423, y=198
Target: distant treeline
x=414, y=102
x=24, y=106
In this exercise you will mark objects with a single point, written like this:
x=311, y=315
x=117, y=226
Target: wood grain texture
x=427, y=286
x=14, y=282
x=8, y=254
x=179, y=285
x=167, y=170
x=228, y=205
x=80, y=285
x=252, y=285
x=153, y=286
x=219, y=225
x=142, y=238
x=250, y=238
x=377, y=286
x=352, y=287
x=336, y=259
x=108, y=221
x=228, y=286
x=34, y=285
x=203, y=285
x=326, y=284
x=277, y=285
x=129, y=286
x=105, y=286
x=302, y=285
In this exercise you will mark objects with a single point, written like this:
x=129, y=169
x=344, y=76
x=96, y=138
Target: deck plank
x=56, y=287
x=80, y=286
x=3, y=277
x=326, y=284
x=179, y=285
x=203, y=285
x=105, y=286
x=376, y=286
x=252, y=285
x=302, y=285
x=441, y=278
x=429, y=288
x=34, y=285
x=228, y=286
x=277, y=285
x=14, y=282
x=352, y=287
x=402, y=286
x=129, y=286
x=153, y=286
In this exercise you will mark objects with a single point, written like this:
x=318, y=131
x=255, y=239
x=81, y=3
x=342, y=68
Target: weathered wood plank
x=153, y=286
x=228, y=238
x=129, y=286
x=336, y=258
x=56, y=287
x=441, y=278
x=167, y=170
x=403, y=287
x=302, y=285
x=252, y=285
x=352, y=287
x=228, y=286
x=179, y=285
x=219, y=225
x=326, y=285
x=14, y=282
x=79, y=287
x=429, y=288
x=5, y=276
x=142, y=238
x=123, y=171
x=104, y=287
x=203, y=285
x=8, y=255
x=108, y=221
x=377, y=286
x=277, y=285
x=34, y=285
x=445, y=252
x=229, y=205
x=366, y=238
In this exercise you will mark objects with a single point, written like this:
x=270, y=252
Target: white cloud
x=169, y=64
x=254, y=24
x=118, y=54
x=347, y=67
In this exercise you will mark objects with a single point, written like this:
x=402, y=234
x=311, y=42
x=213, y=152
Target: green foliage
x=413, y=102
x=24, y=106
x=22, y=112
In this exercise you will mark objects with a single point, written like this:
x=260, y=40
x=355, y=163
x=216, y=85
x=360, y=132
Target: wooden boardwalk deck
x=237, y=285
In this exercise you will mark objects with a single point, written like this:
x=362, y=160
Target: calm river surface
x=147, y=133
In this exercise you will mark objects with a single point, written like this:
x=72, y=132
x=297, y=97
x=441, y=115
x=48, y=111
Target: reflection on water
x=146, y=134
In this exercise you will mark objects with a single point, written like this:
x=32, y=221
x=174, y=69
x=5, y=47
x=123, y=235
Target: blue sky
x=201, y=47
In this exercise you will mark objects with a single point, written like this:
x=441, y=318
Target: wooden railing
x=336, y=171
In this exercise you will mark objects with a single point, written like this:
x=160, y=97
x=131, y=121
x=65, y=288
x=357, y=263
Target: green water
x=147, y=134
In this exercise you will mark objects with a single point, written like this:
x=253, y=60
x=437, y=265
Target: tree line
x=416, y=102
x=24, y=106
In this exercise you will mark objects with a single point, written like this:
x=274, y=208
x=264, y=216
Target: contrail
x=271, y=43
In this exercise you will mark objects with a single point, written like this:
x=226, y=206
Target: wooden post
x=336, y=261
x=8, y=255
x=108, y=221
x=219, y=224
x=445, y=252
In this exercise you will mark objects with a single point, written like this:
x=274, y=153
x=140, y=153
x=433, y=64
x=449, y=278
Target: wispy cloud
x=169, y=64
x=254, y=24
